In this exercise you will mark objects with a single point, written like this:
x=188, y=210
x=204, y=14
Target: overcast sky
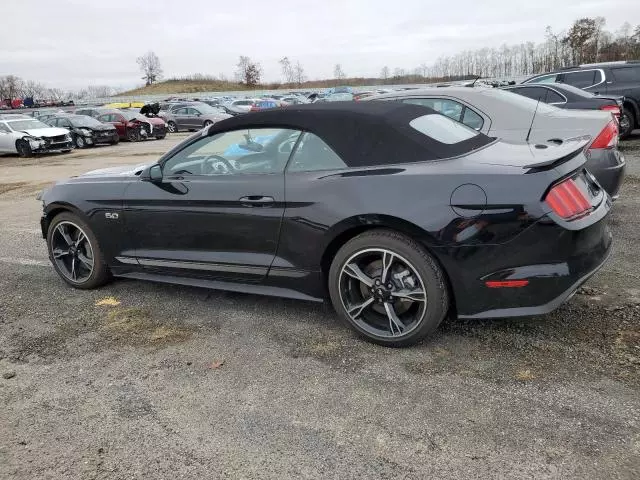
x=75, y=43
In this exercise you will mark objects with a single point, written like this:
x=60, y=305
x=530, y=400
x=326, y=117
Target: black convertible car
x=398, y=214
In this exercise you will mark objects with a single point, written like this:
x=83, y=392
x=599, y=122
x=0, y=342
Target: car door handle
x=256, y=200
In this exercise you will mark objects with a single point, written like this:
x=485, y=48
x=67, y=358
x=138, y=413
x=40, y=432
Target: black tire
x=172, y=127
x=115, y=140
x=24, y=149
x=79, y=142
x=627, y=123
x=133, y=135
x=100, y=273
x=160, y=137
x=429, y=274
x=65, y=151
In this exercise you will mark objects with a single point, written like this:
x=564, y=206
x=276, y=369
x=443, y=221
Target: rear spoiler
x=570, y=149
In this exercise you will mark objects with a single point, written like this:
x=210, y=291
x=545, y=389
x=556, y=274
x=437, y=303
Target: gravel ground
x=146, y=381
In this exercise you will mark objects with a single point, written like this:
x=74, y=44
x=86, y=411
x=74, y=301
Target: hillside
x=187, y=85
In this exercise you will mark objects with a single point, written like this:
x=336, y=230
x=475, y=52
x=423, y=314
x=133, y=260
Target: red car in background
x=134, y=127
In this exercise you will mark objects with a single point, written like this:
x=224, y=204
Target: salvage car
x=27, y=136
x=394, y=212
x=569, y=97
x=132, y=126
x=513, y=117
x=606, y=78
x=191, y=116
x=85, y=131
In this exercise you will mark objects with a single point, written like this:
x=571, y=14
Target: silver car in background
x=506, y=115
x=191, y=116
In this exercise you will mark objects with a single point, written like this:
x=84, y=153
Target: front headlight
x=86, y=132
x=67, y=137
x=35, y=142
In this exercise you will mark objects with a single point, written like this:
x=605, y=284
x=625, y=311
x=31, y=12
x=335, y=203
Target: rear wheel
x=627, y=123
x=207, y=124
x=79, y=142
x=172, y=127
x=388, y=288
x=24, y=149
x=75, y=253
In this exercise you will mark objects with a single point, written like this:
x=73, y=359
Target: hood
x=154, y=120
x=122, y=170
x=46, y=132
x=101, y=128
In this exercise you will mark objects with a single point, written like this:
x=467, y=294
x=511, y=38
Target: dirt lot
x=146, y=381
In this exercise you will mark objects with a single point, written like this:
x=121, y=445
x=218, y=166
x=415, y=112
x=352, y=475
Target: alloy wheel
x=171, y=127
x=625, y=123
x=382, y=293
x=72, y=252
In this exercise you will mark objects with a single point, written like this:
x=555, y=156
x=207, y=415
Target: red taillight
x=567, y=200
x=615, y=109
x=506, y=283
x=607, y=138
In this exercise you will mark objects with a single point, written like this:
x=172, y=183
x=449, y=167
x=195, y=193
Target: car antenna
x=532, y=120
x=474, y=82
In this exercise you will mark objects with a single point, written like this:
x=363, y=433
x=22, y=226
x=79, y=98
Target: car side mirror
x=152, y=174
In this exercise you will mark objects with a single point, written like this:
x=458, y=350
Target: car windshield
x=20, y=125
x=130, y=115
x=340, y=97
x=84, y=121
x=442, y=129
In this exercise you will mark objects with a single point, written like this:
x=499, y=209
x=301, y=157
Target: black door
x=218, y=209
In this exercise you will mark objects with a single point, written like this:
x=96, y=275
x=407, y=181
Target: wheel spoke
x=354, y=271
x=356, y=310
x=58, y=252
x=394, y=321
x=73, y=268
x=415, y=295
x=65, y=235
x=84, y=259
x=81, y=238
x=387, y=261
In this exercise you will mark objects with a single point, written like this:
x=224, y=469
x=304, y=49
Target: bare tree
x=338, y=73
x=384, y=74
x=288, y=71
x=298, y=73
x=150, y=66
x=248, y=72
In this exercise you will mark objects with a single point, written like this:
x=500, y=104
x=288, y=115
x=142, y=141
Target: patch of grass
x=134, y=325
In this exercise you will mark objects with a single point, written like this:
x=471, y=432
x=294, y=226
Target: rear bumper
x=555, y=262
x=608, y=166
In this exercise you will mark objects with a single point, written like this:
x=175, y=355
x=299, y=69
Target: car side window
x=554, y=97
x=313, y=154
x=472, y=119
x=246, y=151
x=180, y=111
x=545, y=79
x=4, y=128
x=192, y=111
x=626, y=74
x=580, y=79
x=534, y=93
x=449, y=108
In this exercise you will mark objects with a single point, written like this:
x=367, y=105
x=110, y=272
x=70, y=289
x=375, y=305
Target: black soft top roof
x=362, y=134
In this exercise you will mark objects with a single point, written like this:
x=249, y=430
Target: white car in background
x=27, y=136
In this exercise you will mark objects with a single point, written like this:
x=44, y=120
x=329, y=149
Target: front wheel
x=79, y=141
x=133, y=135
x=160, y=137
x=24, y=149
x=627, y=123
x=207, y=124
x=172, y=127
x=388, y=288
x=75, y=253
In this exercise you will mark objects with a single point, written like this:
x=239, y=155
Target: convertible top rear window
x=442, y=129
